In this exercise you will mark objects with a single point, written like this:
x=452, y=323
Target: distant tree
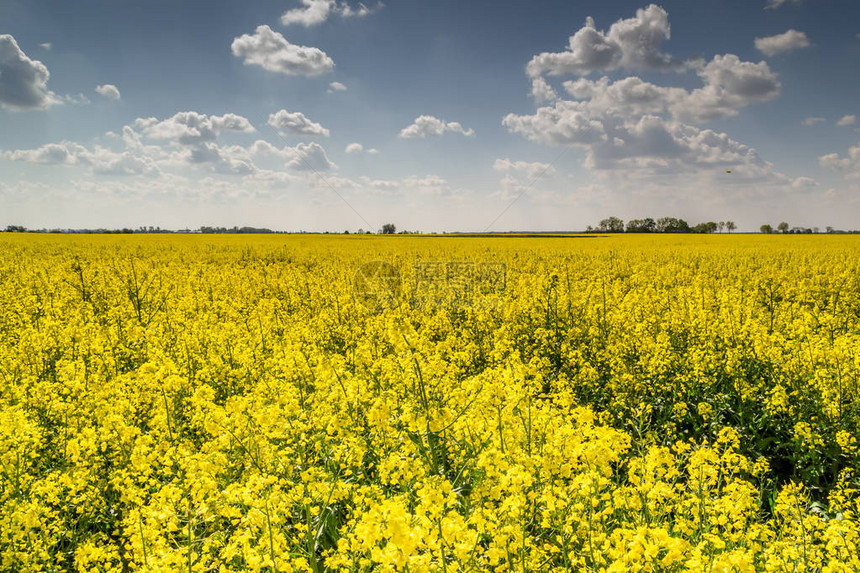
x=708, y=227
x=829, y=229
x=721, y=225
x=611, y=225
x=671, y=225
x=783, y=227
x=641, y=225
x=766, y=229
x=730, y=225
x=16, y=229
x=389, y=229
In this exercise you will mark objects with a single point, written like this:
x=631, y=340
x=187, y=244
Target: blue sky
x=438, y=116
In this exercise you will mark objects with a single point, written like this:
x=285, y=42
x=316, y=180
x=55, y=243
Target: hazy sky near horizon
x=436, y=116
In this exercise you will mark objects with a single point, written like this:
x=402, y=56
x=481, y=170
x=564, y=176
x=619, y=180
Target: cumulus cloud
x=108, y=91
x=336, y=87
x=633, y=43
x=271, y=51
x=315, y=12
x=730, y=84
x=429, y=126
x=629, y=96
x=847, y=120
x=188, y=141
x=295, y=123
x=232, y=159
x=302, y=157
x=49, y=154
x=637, y=127
x=621, y=125
x=310, y=157
x=541, y=90
x=810, y=121
x=264, y=148
x=530, y=169
x=644, y=142
x=23, y=82
x=849, y=165
x=190, y=127
x=565, y=123
x=101, y=161
x=359, y=148
x=773, y=45
x=804, y=183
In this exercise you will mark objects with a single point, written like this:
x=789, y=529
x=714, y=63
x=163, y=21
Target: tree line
x=661, y=225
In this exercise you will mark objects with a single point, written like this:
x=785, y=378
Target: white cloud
x=100, y=160
x=359, y=148
x=23, y=82
x=189, y=140
x=233, y=159
x=49, y=154
x=429, y=126
x=315, y=12
x=639, y=128
x=186, y=143
x=190, y=127
x=295, y=123
x=348, y=11
x=773, y=45
x=730, y=84
x=849, y=165
x=847, y=120
x=270, y=50
x=530, y=169
x=79, y=99
x=310, y=157
x=541, y=90
x=633, y=44
x=262, y=147
x=810, y=121
x=636, y=141
x=566, y=122
x=108, y=91
x=336, y=87
x=629, y=96
x=46, y=46
x=804, y=183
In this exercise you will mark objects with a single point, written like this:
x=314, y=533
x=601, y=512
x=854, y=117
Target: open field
x=267, y=403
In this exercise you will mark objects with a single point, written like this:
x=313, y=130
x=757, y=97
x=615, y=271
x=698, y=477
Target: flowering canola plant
x=224, y=403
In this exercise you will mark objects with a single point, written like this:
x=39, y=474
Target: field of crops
x=274, y=403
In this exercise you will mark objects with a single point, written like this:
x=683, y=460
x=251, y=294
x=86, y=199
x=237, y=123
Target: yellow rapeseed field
x=283, y=403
